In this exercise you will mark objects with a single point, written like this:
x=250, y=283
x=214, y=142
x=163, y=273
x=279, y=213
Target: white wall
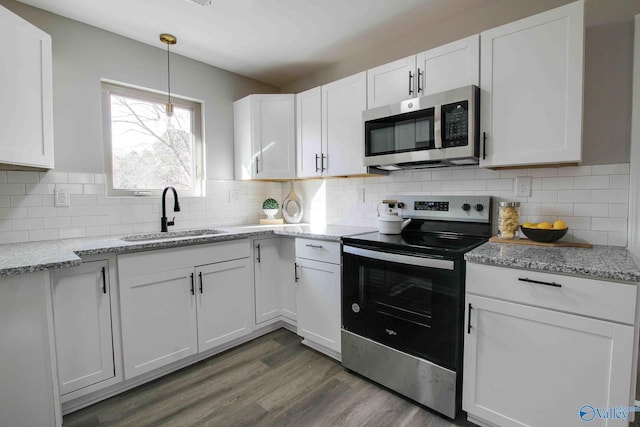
x=82, y=55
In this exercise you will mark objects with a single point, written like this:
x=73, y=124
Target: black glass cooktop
x=443, y=239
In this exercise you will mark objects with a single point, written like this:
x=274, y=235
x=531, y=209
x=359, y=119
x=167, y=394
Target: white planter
x=270, y=213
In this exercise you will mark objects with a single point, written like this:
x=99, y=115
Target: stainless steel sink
x=184, y=234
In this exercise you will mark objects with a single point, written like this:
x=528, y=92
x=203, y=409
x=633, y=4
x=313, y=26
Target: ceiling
x=273, y=41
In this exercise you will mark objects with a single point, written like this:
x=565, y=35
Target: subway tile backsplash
x=593, y=200
x=28, y=214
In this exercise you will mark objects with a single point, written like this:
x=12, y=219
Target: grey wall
x=608, y=64
x=82, y=55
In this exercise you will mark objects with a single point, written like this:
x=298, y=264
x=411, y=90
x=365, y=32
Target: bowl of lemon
x=544, y=232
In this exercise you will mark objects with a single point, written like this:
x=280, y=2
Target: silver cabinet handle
x=317, y=169
x=309, y=245
x=257, y=168
x=258, y=248
x=322, y=168
x=295, y=272
x=420, y=74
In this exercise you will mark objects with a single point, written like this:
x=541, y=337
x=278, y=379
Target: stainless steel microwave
x=431, y=131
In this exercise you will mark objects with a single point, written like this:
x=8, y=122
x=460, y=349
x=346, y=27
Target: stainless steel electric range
x=403, y=298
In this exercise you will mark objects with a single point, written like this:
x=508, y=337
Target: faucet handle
x=172, y=222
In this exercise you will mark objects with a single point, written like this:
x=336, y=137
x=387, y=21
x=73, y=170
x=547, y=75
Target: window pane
x=149, y=149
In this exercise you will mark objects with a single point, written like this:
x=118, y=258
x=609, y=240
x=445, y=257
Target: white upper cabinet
x=26, y=109
x=310, y=150
x=392, y=82
x=446, y=67
x=531, y=80
x=343, y=102
x=264, y=137
x=449, y=66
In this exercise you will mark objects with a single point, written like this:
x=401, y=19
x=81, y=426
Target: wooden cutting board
x=496, y=239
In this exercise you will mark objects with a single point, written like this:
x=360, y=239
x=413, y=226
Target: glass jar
x=508, y=219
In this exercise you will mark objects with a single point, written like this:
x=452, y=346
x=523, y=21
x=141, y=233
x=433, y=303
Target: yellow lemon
x=528, y=225
x=545, y=225
x=559, y=225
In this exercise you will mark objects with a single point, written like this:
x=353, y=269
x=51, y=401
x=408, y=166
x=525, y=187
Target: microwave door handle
x=437, y=125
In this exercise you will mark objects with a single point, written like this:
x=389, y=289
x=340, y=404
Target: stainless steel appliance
x=403, y=298
x=431, y=131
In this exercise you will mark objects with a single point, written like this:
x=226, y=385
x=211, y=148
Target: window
x=145, y=150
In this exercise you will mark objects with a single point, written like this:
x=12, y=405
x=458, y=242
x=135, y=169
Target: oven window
x=406, y=132
x=412, y=309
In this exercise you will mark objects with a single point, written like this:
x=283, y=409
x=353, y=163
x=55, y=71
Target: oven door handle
x=402, y=259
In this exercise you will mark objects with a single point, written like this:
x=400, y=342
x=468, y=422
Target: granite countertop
x=601, y=262
x=37, y=256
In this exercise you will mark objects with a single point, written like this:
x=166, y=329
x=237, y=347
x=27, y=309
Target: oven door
x=410, y=303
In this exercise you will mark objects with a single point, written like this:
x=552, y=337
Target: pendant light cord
x=168, y=74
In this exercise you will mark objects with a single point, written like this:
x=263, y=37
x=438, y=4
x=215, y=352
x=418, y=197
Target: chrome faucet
x=164, y=224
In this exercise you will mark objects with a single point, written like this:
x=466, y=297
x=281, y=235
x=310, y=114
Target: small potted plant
x=270, y=208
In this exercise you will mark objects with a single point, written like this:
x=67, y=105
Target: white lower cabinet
x=159, y=323
x=224, y=302
x=288, y=285
x=319, y=295
x=275, y=288
x=534, y=366
x=197, y=298
x=83, y=326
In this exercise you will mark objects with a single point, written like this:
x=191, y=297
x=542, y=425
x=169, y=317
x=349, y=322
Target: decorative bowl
x=544, y=235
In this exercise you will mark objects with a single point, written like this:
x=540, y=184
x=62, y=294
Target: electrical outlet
x=234, y=196
x=361, y=195
x=61, y=197
x=523, y=186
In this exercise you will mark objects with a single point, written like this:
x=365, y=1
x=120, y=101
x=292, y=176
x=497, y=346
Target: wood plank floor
x=271, y=381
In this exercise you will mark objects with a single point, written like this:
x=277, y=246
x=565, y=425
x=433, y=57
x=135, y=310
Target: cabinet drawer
x=141, y=263
x=318, y=250
x=589, y=297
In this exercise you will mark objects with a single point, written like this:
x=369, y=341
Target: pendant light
x=168, y=39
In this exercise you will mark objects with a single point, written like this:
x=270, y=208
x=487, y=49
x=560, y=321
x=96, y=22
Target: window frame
x=109, y=87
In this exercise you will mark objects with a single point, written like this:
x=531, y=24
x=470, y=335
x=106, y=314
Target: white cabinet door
x=288, y=284
x=274, y=136
x=82, y=322
x=530, y=366
x=158, y=319
x=319, y=303
x=343, y=102
x=264, y=137
x=392, y=82
x=309, y=133
x=267, y=281
x=225, y=303
x=449, y=66
x=531, y=79
x=26, y=106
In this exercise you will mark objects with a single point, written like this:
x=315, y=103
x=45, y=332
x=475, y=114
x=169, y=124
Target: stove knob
x=466, y=207
x=479, y=207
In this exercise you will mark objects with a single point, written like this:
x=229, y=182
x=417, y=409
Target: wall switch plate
x=61, y=197
x=523, y=186
x=234, y=196
x=361, y=194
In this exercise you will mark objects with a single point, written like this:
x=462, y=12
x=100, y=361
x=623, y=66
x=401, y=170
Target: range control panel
x=422, y=205
x=449, y=208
